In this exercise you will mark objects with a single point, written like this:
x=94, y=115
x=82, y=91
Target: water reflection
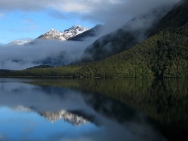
x=29, y=125
x=165, y=101
x=31, y=111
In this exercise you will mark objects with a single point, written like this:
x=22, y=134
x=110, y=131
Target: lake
x=93, y=110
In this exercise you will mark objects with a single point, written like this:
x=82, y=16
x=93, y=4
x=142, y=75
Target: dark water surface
x=93, y=110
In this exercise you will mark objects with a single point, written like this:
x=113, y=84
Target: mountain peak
x=52, y=29
x=77, y=26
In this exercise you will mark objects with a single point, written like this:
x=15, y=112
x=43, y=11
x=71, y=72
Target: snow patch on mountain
x=20, y=42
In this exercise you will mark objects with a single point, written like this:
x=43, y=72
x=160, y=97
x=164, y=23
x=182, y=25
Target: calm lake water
x=93, y=110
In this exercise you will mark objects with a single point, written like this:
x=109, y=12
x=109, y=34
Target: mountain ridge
x=55, y=35
x=63, y=36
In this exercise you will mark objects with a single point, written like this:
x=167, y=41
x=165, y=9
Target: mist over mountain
x=22, y=54
x=40, y=52
x=163, y=55
x=135, y=31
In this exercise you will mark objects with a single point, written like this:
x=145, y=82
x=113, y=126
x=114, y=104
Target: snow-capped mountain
x=53, y=34
x=21, y=42
x=68, y=33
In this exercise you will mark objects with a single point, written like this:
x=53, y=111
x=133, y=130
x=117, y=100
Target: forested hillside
x=164, y=54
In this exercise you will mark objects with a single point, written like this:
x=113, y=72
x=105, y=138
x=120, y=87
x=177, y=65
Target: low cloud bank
x=40, y=52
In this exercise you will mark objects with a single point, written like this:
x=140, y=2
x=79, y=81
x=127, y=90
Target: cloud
x=81, y=6
x=103, y=8
x=125, y=10
x=49, y=52
x=57, y=14
x=116, y=12
x=112, y=13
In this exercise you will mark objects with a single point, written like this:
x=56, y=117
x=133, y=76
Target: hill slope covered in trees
x=164, y=54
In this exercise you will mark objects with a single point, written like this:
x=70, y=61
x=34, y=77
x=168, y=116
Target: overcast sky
x=20, y=19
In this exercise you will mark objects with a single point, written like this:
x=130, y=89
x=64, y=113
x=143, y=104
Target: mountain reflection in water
x=73, y=110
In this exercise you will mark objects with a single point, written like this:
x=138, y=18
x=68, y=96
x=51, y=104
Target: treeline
x=66, y=71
